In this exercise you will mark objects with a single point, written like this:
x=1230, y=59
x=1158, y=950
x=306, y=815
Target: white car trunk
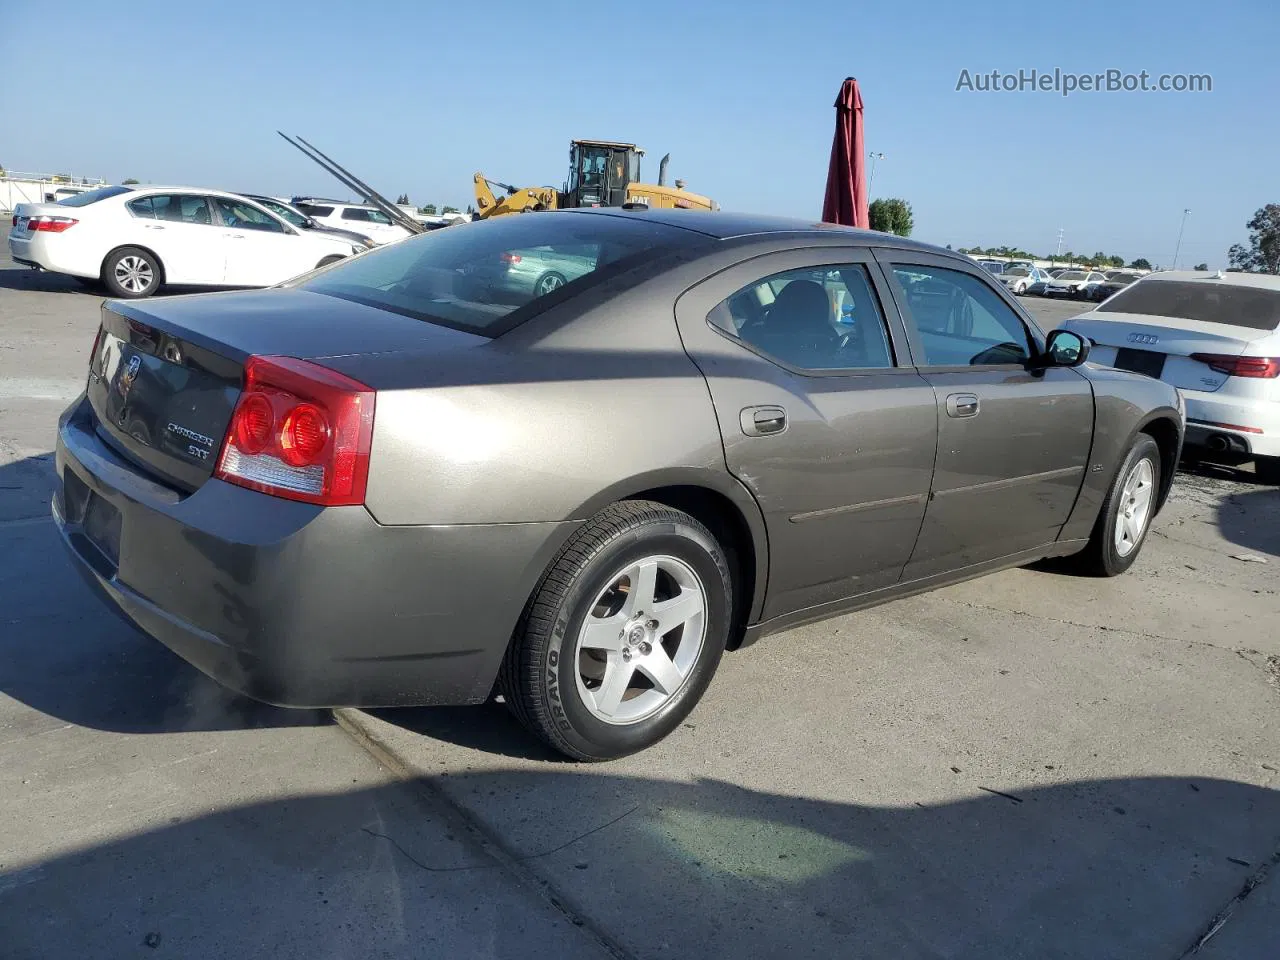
x=1122, y=340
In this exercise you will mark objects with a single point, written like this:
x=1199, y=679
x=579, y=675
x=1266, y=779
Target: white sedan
x=1074, y=283
x=136, y=239
x=1214, y=336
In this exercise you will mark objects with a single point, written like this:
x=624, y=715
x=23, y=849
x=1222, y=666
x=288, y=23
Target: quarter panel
x=1123, y=403
x=535, y=427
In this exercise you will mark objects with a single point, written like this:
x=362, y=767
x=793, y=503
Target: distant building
x=17, y=187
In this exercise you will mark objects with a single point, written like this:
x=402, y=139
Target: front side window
x=243, y=216
x=377, y=216
x=814, y=318
x=961, y=321
x=280, y=210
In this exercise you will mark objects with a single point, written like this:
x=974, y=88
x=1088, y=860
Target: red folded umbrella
x=846, y=199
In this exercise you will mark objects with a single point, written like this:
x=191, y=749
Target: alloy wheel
x=134, y=274
x=1135, y=507
x=641, y=639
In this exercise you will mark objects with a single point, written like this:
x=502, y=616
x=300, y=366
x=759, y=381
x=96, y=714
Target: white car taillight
x=300, y=431
x=49, y=224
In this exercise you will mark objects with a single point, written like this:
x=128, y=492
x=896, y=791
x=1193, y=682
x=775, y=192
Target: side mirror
x=1065, y=348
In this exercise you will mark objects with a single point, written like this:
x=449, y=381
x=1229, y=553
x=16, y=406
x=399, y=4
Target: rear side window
x=1226, y=303
x=93, y=196
x=178, y=207
x=490, y=276
x=355, y=213
x=823, y=318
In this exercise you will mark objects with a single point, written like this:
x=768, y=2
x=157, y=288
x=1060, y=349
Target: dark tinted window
x=178, y=207
x=357, y=214
x=481, y=277
x=93, y=196
x=280, y=210
x=824, y=318
x=1226, y=303
x=313, y=210
x=961, y=320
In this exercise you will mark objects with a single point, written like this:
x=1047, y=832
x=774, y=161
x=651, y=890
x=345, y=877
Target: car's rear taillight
x=1266, y=367
x=50, y=224
x=15, y=220
x=300, y=431
x=509, y=257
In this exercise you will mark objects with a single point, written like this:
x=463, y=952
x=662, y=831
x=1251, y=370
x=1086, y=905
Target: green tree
x=403, y=198
x=127, y=181
x=891, y=216
x=449, y=210
x=1142, y=263
x=1201, y=266
x=1262, y=255
x=471, y=211
x=429, y=210
x=1116, y=261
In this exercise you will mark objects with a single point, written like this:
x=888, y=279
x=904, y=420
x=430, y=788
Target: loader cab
x=600, y=172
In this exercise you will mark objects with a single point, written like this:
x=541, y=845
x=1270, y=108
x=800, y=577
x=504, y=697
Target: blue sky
x=416, y=96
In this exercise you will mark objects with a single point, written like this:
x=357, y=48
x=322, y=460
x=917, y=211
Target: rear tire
x=547, y=283
x=1268, y=470
x=1126, y=514
x=623, y=634
x=131, y=273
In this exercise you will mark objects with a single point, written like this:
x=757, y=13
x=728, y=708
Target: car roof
x=723, y=225
x=1261, y=281
x=203, y=191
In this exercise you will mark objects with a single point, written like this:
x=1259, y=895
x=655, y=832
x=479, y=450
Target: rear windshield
x=1228, y=303
x=93, y=196
x=480, y=277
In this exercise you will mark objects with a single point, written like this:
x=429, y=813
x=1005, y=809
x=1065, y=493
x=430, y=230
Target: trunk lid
x=1122, y=338
x=23, y=212
x=164, y=377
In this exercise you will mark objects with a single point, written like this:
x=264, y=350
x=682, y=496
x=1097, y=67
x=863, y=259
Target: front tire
x=1127, y=512
x=131, y=273
x=623, y=634
x=333, y=258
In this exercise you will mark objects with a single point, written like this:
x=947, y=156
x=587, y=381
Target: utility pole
x=1061, y=231
x=1178, y=248
x=871, y=178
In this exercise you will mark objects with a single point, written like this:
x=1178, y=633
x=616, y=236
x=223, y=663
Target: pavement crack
x=1219, y=920
x=1087, y=626
x=519, y=859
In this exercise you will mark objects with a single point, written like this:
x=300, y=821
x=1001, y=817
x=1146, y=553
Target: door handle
x=763, y=421
x=154, y=226
x=963, y=405
x=235, y=236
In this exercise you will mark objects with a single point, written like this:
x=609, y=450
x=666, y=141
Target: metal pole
x=872, y=177
x=1178, y=248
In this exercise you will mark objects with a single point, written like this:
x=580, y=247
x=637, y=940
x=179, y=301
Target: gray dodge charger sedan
x=377, y=485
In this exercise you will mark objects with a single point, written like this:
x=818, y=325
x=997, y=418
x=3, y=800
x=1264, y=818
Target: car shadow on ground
x=64, y=653
x=1252, y=520
x=24, y=278
x=489, y=728
x=1121, y=868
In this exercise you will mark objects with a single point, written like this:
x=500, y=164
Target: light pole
x=1178, y=248
x=872, y=177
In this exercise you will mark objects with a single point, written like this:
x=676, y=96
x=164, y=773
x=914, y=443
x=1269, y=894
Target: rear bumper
x=293, y=604
x=1209, y=413
x=34, y=250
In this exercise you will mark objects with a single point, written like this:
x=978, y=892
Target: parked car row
x=137, y=239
